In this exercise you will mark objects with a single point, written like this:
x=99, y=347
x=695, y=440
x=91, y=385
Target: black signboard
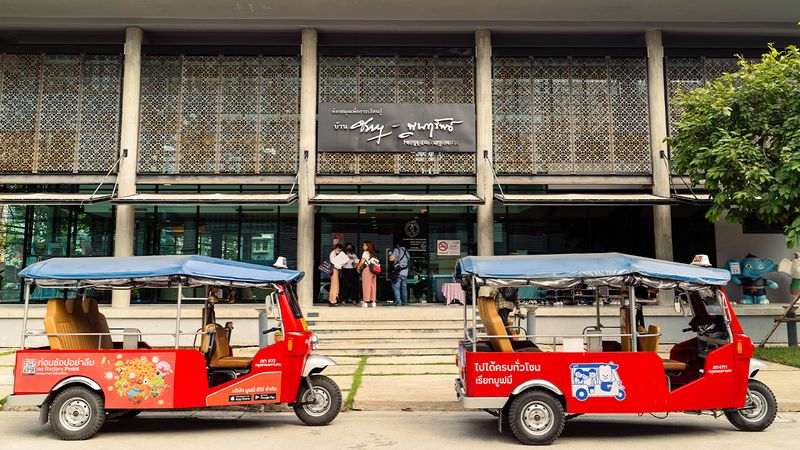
x=396, y=127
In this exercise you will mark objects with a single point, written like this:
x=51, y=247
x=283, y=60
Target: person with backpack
x=399, y=275
x=370, y=268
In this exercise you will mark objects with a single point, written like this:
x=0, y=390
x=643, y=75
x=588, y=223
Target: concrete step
x=387, y=331
x=390, y=343
x=390, y=337
x=394, y=325
x=334, y=353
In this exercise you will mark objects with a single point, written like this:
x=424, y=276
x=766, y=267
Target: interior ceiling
x=713, y=16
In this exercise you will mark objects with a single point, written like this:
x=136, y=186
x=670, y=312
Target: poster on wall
x=396, y=127
x=448, y=247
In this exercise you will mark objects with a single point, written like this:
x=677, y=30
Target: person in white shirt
x=348, y=293
x=337, y=259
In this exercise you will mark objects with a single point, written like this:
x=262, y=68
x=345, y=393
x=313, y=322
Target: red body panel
x=612, y=382
x=171, y=378
x=619, y=382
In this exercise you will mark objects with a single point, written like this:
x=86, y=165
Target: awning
x=571, y=269
x=693, y=199
x=582, y=199
x=396, y=199
x=46, y=198
x=206, y=199
x=155, y=271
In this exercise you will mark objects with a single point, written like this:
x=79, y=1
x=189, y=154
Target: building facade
x=249, y=133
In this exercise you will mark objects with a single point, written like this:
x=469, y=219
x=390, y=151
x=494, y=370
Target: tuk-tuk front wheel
x=320, y=405
x=536, y=417
x=77, y=413
x=759, y=410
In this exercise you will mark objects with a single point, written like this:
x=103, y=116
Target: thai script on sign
x=514, y=367
x=396, y=127
x=58, y=362
x=496, y=381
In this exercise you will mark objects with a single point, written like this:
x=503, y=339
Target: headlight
x=314, y=341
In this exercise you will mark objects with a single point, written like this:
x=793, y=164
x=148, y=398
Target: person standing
x=337, y=258
x=399, y=274
x=369, y=280
x=348, y=292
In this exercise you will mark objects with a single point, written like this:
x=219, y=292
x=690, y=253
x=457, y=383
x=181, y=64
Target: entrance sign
x=396, y=127
x=448, y=247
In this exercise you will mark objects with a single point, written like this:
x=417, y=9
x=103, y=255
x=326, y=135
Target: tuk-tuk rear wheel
x=759, y=411
x=322, y=404
x=536, y=417
x=77, y=413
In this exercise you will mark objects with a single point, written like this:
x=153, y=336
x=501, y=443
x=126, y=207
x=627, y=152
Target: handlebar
x=271, y=330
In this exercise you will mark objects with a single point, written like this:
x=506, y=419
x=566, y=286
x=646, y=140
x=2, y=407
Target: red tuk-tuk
x=603, y=368
x=84, y=376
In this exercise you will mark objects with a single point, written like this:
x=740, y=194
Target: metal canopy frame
x=396, y=199
x=582, y=199
x=45, y=198
x=206, y=199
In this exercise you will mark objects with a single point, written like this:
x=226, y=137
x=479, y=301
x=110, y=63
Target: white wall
x=733, y=243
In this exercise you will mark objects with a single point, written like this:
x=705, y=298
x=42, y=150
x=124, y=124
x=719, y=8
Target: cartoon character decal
x=596, y=380
x=139, y=379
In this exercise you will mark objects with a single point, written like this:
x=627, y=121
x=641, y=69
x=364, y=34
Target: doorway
x=418, y=228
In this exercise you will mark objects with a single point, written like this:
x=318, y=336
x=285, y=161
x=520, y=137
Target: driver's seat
x=216, y=342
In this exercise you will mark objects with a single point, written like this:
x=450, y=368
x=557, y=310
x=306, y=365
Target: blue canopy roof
x=585, y=266
x=155, y=271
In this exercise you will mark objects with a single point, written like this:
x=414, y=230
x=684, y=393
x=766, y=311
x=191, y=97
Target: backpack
x=326, y=268
x=374, y=266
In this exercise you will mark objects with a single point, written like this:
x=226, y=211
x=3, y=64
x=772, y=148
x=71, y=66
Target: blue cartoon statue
x=749, y=273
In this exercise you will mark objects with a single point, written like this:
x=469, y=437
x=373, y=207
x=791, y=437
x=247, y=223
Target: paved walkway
x=394, y=430
x=425, y=383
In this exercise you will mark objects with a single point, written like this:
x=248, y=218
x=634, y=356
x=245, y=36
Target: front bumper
x=19, y=401
x=477, y=402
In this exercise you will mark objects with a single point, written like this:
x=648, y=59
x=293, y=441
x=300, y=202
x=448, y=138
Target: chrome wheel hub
x=75, y=413
x=537, y=418
x=317, y=401
x=756, y=407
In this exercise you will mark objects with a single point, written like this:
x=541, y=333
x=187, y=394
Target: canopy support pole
x=474, y=318
x=25, y=314
x=632, y=300
x=178, y=318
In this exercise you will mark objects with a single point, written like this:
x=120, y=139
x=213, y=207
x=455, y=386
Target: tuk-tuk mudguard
x=316, y=363
x=755, y=366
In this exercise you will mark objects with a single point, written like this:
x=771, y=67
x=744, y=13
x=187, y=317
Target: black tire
x=759, y=411
x=326, y=398
x=77, y=413
x=536, y=417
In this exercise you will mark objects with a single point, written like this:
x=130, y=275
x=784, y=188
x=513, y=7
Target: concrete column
x=483, y=131
x=662, y=216
x=307, y=166
x=129, y=144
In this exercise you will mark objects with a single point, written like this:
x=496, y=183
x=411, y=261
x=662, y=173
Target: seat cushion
x=670, y=365
x=233, y=362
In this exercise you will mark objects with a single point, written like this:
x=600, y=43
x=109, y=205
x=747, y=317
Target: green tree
x=740, y=137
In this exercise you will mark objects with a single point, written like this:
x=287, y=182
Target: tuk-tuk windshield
x=294, y=305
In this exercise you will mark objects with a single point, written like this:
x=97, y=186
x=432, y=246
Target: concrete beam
x=483, y=132
x=662, y=215
x=129, y=145
x=307, y=166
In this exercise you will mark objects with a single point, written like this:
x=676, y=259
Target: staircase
x=425, y=329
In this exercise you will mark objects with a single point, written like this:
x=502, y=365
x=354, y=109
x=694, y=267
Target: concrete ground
x=395, y=430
